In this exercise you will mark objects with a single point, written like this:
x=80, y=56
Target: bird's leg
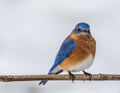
x=88, y=74
x=72, y=77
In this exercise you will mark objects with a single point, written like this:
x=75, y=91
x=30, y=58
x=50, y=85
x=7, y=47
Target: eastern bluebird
x=76, y=53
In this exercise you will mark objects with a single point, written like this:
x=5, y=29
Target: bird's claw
x=88, y=74
x=72, y=77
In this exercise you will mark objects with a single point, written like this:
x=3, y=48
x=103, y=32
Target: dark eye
x=78, y=30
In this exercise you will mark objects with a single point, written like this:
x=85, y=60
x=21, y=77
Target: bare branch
x=95, y=77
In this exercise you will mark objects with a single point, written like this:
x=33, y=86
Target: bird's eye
x=78, y=30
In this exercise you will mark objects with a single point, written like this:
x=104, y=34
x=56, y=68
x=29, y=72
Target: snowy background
x=31, y=32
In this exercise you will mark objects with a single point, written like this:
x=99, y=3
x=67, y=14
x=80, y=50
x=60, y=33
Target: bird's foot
x=72, y=77
x=88, y=74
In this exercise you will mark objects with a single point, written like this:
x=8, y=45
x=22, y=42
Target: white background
x=31, y=32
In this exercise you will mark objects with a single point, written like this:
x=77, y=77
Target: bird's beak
x=85, y=31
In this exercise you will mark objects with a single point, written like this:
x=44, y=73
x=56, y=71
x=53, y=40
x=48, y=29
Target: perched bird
x=76, y=53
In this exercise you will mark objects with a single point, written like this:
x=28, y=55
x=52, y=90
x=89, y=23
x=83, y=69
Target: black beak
x=87, y=31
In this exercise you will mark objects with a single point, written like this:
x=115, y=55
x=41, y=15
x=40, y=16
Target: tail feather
x=43, y=82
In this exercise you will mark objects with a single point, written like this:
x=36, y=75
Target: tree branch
x=95, y=77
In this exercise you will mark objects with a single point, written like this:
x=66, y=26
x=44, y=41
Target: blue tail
x=43, y=82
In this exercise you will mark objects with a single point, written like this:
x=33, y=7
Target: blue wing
x=65, y=50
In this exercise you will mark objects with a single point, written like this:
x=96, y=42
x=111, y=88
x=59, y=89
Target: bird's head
x=82, y=28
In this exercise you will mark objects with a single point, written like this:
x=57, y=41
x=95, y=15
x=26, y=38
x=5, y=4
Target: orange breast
x=85, y=45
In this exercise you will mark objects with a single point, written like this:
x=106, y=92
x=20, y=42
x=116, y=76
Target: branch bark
x=95, y=77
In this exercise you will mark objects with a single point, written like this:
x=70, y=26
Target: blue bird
x=76, y=53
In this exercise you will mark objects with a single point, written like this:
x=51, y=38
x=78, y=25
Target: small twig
x=95, y=77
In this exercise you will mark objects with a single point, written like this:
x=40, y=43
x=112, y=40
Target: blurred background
x=31, y=32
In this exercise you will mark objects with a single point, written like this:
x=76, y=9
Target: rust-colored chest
x=85, y=45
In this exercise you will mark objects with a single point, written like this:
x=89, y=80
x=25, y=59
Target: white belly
x=83, y=65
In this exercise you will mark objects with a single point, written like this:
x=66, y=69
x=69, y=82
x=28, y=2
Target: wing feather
x=65, y=50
